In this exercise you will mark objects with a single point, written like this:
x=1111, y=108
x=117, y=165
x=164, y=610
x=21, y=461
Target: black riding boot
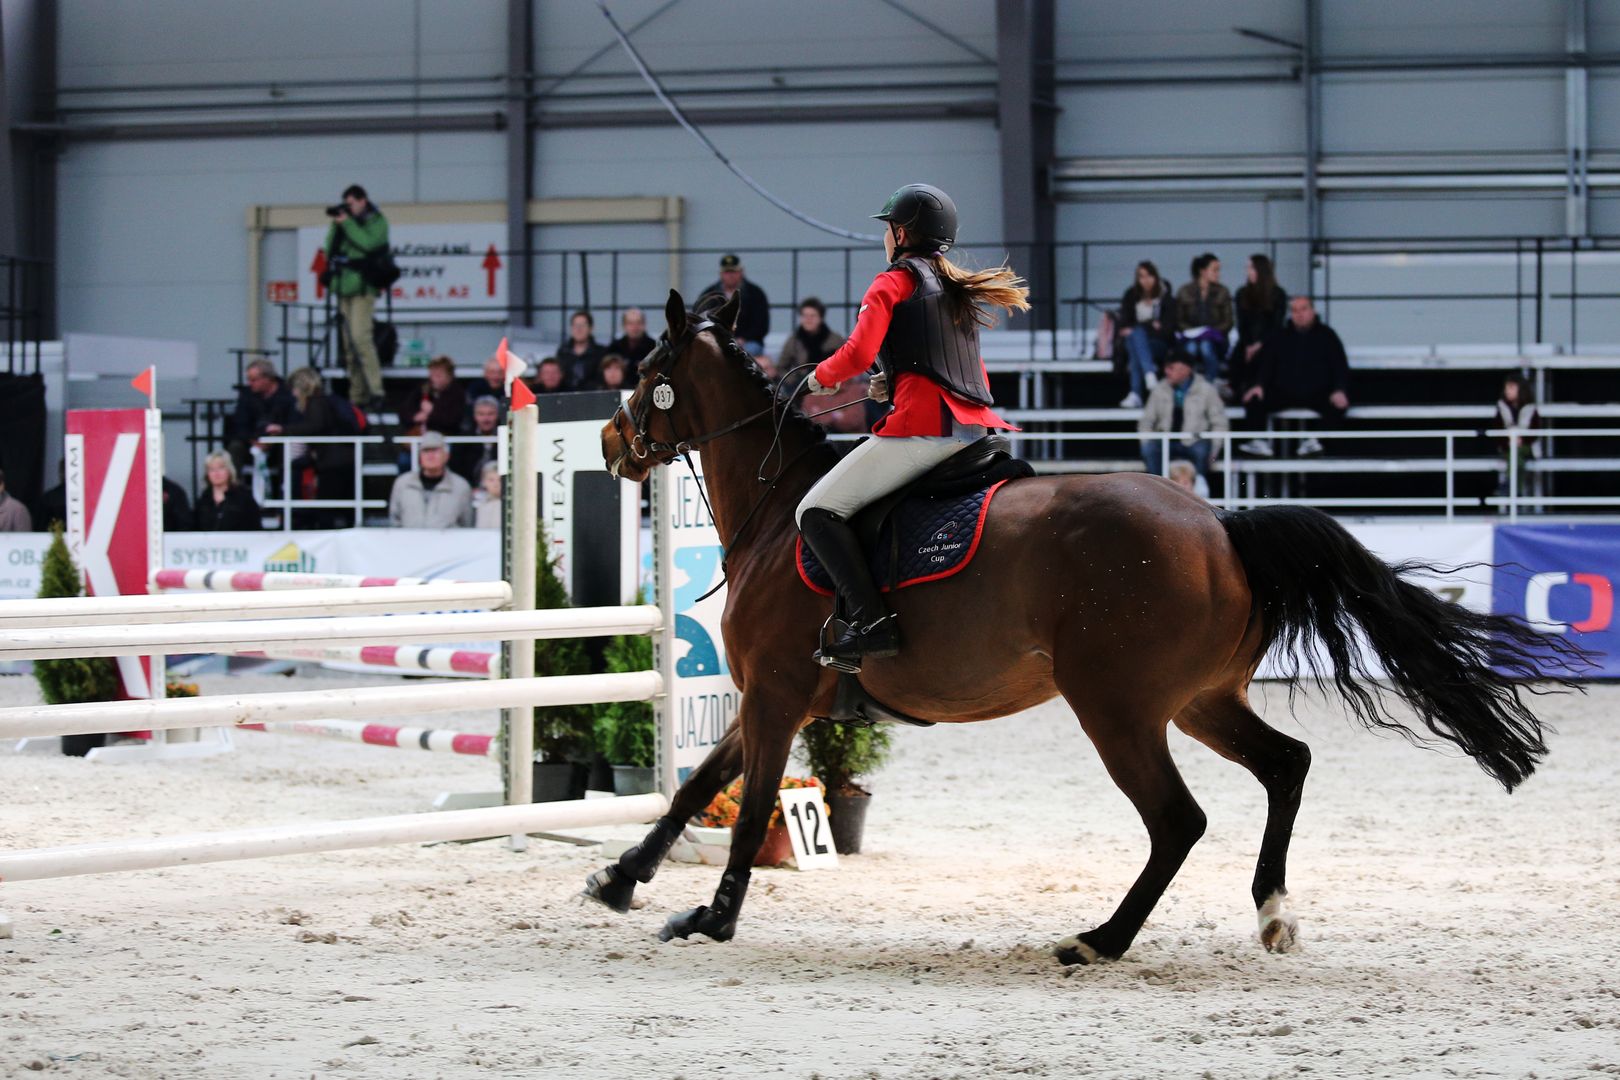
x=867, y=628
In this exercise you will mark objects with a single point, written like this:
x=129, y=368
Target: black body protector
x=926, y=339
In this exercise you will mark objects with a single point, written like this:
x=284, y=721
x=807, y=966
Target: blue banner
x=1560, y=579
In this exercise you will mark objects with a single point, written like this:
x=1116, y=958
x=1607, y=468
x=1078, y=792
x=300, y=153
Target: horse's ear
x=726, y=314
x=675, y=314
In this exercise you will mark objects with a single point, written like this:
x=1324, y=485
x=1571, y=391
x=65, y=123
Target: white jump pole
x=523, y=512
x=43, y=643
x=138, y=610
x=151, y=854
x=92, y=717
x=276, y=580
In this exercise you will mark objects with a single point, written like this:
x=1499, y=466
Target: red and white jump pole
x=440, y=740
x=274, y=581
x=407, y=659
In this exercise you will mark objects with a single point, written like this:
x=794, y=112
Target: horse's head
x=680, y=398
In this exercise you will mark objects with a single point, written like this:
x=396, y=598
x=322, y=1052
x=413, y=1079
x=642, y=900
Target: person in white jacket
x=432, y=497
x=1186, y=404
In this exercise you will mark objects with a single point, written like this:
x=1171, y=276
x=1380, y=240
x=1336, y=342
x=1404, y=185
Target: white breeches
x=878, y=466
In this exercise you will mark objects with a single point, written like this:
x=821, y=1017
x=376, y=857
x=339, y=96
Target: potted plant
x=840, y=754
x=721, y=813
x=564, y=738
x=625, y=731
x=83, y=678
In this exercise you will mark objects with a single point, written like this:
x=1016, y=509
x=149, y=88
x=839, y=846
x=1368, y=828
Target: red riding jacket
x=921, y=406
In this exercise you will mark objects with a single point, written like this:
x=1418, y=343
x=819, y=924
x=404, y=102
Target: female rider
x=919, y=320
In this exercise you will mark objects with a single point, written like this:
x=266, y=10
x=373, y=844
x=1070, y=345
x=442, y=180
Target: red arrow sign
x=492, y=263
x=318, y=267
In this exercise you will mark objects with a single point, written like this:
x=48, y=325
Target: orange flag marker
x=146, y=383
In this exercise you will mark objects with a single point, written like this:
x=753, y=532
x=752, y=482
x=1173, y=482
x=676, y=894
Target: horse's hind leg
x=1131, y=741
x=1225, y=723
x=615, y=885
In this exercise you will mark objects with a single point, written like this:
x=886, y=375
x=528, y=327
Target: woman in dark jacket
x=1262, y=309
x=224, y=505
x=1147, y=329
x=314, y=414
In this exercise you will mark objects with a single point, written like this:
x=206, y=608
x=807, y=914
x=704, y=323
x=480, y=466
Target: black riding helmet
x=926, y=213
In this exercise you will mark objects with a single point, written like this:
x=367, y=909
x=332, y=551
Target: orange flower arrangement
x=721, y=813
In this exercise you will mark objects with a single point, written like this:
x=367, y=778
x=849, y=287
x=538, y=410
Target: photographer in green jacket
x=356, y=241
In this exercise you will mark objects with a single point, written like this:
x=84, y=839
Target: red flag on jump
x=146, y=383
x=522, y=396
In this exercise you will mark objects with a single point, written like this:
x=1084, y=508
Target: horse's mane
x=795, y=420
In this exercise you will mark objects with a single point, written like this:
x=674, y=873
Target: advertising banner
x=704, y=700
x=1560, y=579
x=449, y=272
x=114, y=473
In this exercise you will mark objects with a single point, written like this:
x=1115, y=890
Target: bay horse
x=1135, y=600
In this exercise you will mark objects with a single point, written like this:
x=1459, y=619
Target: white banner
x=447, y=272
x=705, y=698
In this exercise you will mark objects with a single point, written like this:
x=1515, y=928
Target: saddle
x=890, y=530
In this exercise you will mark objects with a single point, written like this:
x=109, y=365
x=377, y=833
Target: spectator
x=1302, y=366
x=432, y=497
x=1184, y=475
x=754, y=320
x=1147, y=326
x=442, y=403
x=486, y=501
x=615, y=372
x=53, y=503
x=491, y=384
x=581, y=355
x=549, y=377
x=634, y=344
x=176, y=507
x=812, y=341
x=14, y=516
x=317, y=413
x=1184, y=403
x=263, y=400
x=1204, y=314
x=1262, y=308
x=468, y=458
x=357, y=237
x=1516, y=409
x=223, y=505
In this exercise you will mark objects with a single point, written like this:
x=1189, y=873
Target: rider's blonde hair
x=975, y=292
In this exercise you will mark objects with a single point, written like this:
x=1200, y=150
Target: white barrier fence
x=280, y=606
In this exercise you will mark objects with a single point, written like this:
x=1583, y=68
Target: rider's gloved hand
x=817, y=389
x=877, y=388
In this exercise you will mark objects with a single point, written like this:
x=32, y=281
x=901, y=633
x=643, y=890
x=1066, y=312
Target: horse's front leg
x=768, y=725
x=615, y=885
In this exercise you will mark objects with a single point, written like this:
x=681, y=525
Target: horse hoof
x=611, y=887
x=1071, y=950
x=699, y=920
x=1279, y=927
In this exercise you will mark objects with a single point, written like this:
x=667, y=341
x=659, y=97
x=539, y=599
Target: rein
x=642, y=445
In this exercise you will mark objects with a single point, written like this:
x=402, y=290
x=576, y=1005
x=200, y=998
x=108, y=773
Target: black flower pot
x=601, y=774
x=555, y=781
x=634, y=780
x=848, y=821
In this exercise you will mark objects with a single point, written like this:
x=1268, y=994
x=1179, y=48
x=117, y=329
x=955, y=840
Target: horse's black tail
x=1463, y=672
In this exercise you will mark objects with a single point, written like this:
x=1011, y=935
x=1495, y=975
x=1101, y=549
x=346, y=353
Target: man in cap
x=432, y=497
x=754, y=321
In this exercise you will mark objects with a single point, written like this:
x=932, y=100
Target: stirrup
x=844, y=644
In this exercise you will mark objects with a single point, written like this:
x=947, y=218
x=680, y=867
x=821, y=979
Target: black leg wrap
x=615, y=886
x=642, y=861
x=717, y=920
